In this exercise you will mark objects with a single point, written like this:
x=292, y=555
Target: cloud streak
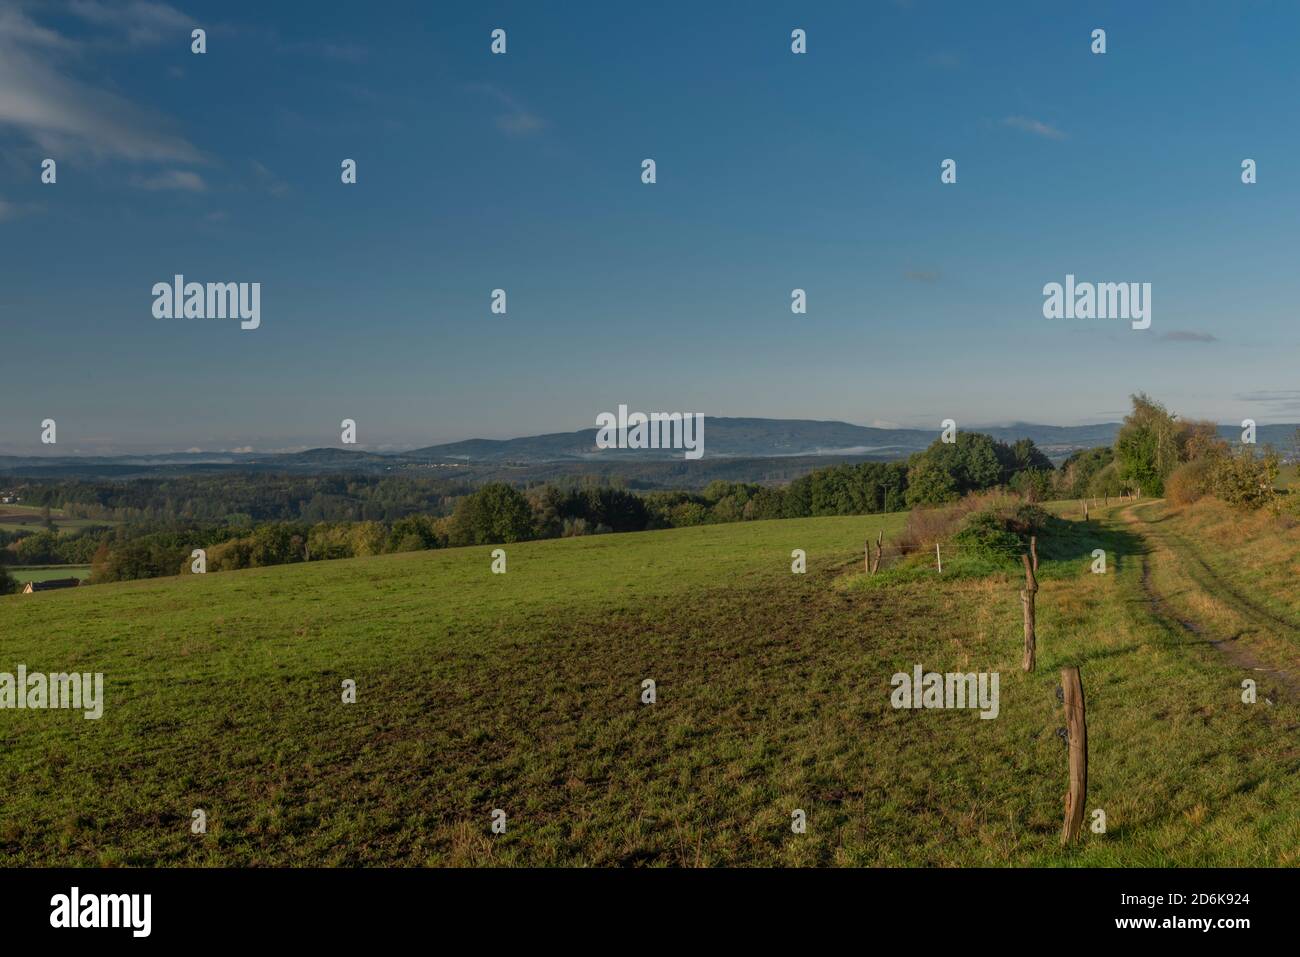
x=517, y=120
x=65, y=116
x=1036, y=127
x=1180, y=335
x=139, y=23
x=173, y=179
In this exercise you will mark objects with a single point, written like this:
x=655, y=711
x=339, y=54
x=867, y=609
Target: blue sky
x=522, y=172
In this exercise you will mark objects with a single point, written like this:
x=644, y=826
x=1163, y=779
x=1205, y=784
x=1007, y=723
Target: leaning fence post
x=938, y=558
x=1076, y=727
x=1027, y=603
x=880, y=535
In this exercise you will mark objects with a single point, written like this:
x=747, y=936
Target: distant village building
x=51, y=584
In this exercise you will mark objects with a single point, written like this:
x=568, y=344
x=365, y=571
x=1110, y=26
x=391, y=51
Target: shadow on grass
x=1064, y=546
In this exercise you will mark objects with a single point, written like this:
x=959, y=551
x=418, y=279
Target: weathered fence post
x=866, y=555
x=1084, y=503
x=1027, y=603
x=1076, y=727
x=880, y=535
x=938, y=558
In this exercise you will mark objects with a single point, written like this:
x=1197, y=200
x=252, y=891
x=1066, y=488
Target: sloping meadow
x=525, y=693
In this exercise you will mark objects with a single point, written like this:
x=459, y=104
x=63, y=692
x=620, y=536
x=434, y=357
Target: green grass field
x=19, y=518
x=521, y=692
x=43, y=573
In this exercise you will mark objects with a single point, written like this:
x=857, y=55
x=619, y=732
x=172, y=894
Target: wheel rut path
x=1207, y=580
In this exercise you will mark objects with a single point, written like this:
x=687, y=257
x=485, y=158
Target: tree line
x=500, y=513
x=327, y=517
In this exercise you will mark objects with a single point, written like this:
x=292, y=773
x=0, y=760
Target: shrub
x=1106, y=482
x=925, y=526
x=985, y=534
x=1189, y=482
x=573, y=527
x=1026, y=518
x=1245, y=480
x=1034, y=484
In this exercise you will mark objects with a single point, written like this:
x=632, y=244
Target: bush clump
x=1001, y=531
x=1189, y=482
x=985, y=534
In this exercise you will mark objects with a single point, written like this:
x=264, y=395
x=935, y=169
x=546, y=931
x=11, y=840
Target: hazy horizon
x=65, y=448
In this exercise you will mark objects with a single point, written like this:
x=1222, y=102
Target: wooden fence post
x=880, y=535
x=866, y=555
x=938, y=558
x=1076, y=726
x=1027, y=603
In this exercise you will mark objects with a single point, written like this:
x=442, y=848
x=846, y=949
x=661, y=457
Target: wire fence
x=888, y=552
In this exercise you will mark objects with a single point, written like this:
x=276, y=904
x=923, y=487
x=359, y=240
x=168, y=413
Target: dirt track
x=1164, y=547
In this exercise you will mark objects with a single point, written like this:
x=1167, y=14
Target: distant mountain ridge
x=757, y=438
x=749, y=439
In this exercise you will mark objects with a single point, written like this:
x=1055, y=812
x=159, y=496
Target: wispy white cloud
x=1281, y=400
x=140, y=22
x=10, y=210
x=44, y=102
x=17, y=27
x=520, y=124
x=267, y=180
x=1181, y=335
x=517, y=120
x=943, y=61
x=342, y=51
x=1037, y=127
x=172, y=179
